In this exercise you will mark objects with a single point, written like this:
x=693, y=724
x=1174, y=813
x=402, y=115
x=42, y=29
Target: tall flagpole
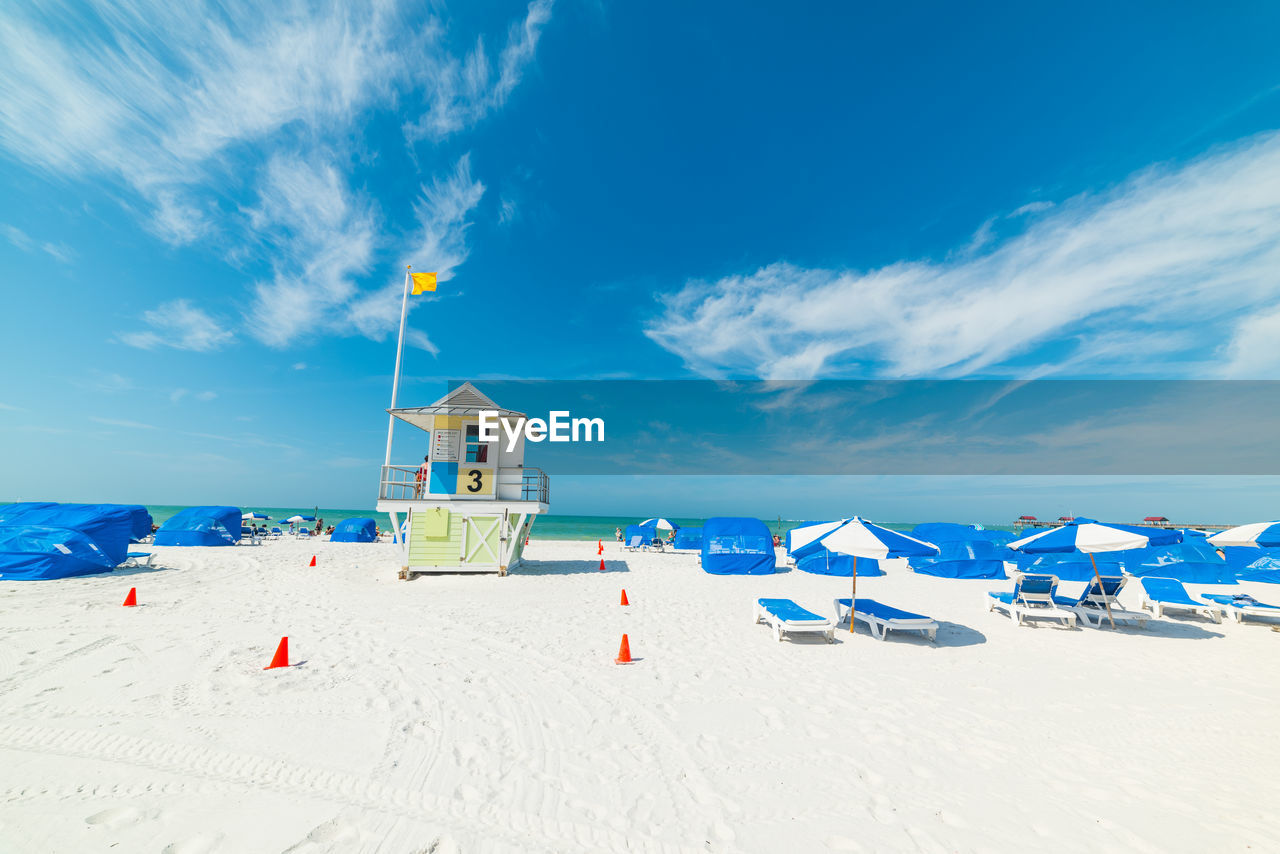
x=395, y=382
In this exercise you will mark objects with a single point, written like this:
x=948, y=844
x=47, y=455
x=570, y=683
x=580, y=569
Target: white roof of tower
x=466, y=399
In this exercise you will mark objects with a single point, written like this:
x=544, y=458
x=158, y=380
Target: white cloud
x=22, y=240
x=443, y=210
x=180, y=325
x=299, y=366
x=188, y=105
x=121, y=422
x=326, y=236
x=1031, y=208
x=418, y=338
x=1176, y=251
x=1254, y=352
x=206, y=395
x=464, y=91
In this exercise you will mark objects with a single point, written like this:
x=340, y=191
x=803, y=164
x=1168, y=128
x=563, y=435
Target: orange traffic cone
x=601, y=565
x=282, y=655
x=599, y=547
x=624, y=652
x=526, y=541
x=131, y=600
x=313, y=561
x=624, y=597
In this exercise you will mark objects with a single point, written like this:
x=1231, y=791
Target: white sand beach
x=477, y=713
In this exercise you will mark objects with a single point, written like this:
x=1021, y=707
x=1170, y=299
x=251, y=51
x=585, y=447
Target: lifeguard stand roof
x=466, y=399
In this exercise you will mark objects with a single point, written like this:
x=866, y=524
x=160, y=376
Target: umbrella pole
x=1105, y=601
x=853, y=593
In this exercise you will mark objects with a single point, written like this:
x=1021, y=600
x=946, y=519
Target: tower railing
x=401, y=483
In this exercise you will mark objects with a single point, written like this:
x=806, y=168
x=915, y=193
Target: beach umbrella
x=859, y=538
x=1090, y=537
x=1263, y=534
x=293, y=520
x=256, y=517
x=662, y=524
x=1264, y=569
x=800, y=537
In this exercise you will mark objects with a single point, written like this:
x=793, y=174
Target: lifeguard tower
x=469, y=506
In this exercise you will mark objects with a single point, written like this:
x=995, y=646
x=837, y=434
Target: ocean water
x=549, y=526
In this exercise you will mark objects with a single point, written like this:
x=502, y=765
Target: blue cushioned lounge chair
x=880, y=618
x=1165, y=594
x=1091, y=605
x=785, y=615
x=1032, y=596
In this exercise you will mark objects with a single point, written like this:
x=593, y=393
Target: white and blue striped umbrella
x=857, y=538
x=1087, y=536
x=661, y=524
x=1264, y=534
x=254, y=516
x=800, y=537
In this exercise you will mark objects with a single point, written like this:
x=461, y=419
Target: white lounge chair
x=784, y=616
x=1241, y=605
x=1164, y=594
x=137, y=559
x=635, y=543
x=880, y=618
x=1032, y=596
x=1091, y=605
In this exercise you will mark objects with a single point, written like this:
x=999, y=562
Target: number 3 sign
x=475, y=481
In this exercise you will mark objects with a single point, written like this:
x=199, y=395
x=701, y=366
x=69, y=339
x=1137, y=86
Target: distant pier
x=1024, y=522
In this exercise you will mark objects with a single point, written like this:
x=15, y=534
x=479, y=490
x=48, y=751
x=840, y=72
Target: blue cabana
x=1195, y=562
x=825, y=562
x=949, y=532
x=201, y=526
x=1069, y=566
x=1240, y=557
x=962, y=559
x=688, y=538
x=43, y=552
x=108, y=526
x=646, y=533
x=355, y=531
x=141, y=522
x=1264, y=569
x=737, y=545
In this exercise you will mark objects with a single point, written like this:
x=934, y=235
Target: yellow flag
x=423, y=282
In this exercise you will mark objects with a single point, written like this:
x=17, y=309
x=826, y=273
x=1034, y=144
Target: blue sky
x=206, y=210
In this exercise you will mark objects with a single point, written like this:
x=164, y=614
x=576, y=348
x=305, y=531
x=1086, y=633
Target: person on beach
x=424, y=472
x=617, y=534
x=319, y=527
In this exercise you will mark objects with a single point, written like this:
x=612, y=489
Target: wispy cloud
x=464, y=91
x=191, y=106
x=443, y=210
x=1184, y=253
x=121, y=422
x=180, y=325
x=22, y=240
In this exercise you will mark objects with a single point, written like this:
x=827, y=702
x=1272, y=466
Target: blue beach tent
x=688, y=538
x=141, y=524
x=1264, y=569
x=1241, y=557
x=646, y=533
x=201, y=526
x=737, y=545
x=1195, y=562
x=355, y=531
x=961, y=559
x=1069, y=566
x=43, y=552
x=108, y=526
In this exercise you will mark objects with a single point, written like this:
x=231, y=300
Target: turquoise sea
x=550, y=526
